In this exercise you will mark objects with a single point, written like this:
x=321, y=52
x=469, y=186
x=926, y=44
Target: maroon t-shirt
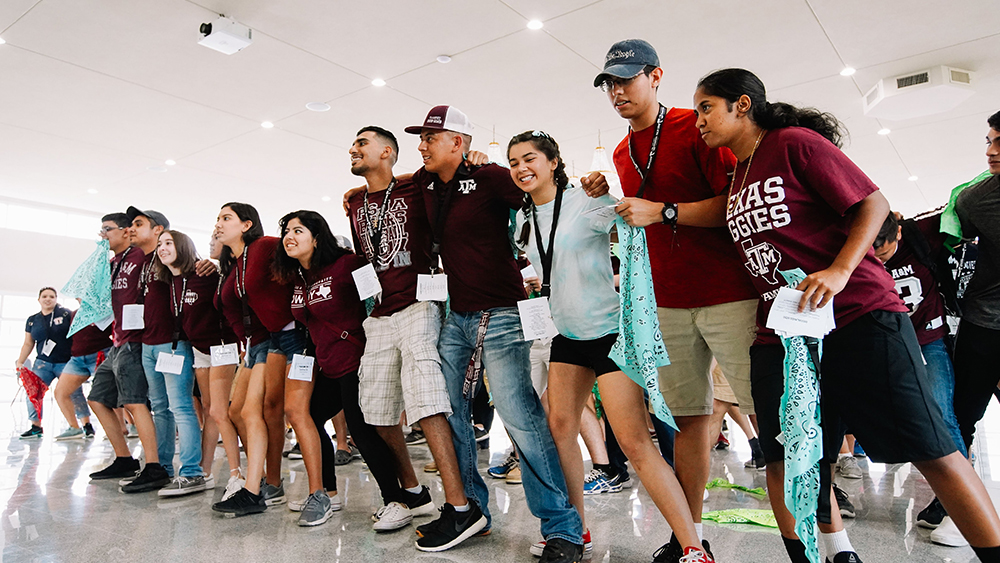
x=475, y=245
x=125, y=289
x=405, y=244
x=270, y=300
x=200, y=319
x=330, y=307
x=158, y=316
x=916, y=285
x=700, y=268
x=790, y=214
x=228, y=301
x=90, y=340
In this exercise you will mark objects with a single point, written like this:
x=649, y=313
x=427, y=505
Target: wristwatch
x=669, y=213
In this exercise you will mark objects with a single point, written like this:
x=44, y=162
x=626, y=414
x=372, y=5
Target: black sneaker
x=88, y=431
x=152, y=477
x=294, y=453
x=931, y=516
x=844, y=502
x=419, y=503
x=415, y=437
x=242, y=503
x=845, y=557
x=33, y=433
x=558, y=550
x=481, y=434
x=451, y=528
x=120, y=468
x=672, y=551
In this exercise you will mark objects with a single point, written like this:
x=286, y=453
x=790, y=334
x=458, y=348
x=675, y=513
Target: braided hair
x=550, y=148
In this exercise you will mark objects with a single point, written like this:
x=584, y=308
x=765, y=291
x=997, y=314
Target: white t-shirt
x=583, y=298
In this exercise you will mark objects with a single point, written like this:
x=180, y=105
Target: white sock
x=463, y=508
x=836, y=542
x=415, y=490
x=697, y=528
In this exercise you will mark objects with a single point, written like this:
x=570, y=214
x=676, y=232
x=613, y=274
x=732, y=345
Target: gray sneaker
x=183, y=486
x=272, y=495
x=317, y=509
x=849, y=468
x=70, y=434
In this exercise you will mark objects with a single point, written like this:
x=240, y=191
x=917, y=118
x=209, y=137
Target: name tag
x=536, y=318
x=132, y=317
x=302, y=368
x=367, y=282
x=105, y=322
x=432, y=287
x=48, y=347
x=224, y=355
x=170, y=363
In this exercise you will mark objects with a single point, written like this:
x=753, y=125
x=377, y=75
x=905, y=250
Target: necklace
x=730, y=203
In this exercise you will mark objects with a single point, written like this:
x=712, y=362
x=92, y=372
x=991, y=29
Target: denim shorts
x=83, y=366
x=288, y=342
x=121, y=379
x=257, y=354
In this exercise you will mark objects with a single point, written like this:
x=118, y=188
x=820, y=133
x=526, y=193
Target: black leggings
x=977, y=357
x=329, y=397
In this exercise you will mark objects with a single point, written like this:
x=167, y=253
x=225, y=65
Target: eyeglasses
x=610, y=84
x=106, y=230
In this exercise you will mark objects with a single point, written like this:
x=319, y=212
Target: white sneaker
x=848, y=467
x=296, y=505
x=392, y=516
x=209, y=482
x=235, y=484
x=947, y=534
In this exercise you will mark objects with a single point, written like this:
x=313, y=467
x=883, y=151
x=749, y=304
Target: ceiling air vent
x=917, y=94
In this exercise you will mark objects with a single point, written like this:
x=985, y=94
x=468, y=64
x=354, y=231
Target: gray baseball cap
x=626, y=59
x=154, y=216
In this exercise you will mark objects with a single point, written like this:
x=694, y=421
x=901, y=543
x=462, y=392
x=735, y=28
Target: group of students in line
x=766, y=176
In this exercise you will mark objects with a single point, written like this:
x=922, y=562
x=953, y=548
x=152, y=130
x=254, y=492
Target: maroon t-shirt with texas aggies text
x=158, y=316
x=405, y=244
x=475, y=245
x=790, y=214
x=699, y=267
x=126, y=269
x=200, y=319
x=916, y=285
x=329, y=307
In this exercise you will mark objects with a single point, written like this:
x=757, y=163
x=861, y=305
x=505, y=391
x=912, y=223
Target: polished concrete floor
x=52, y=512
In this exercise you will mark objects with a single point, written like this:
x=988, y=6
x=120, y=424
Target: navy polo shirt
x=55, y=327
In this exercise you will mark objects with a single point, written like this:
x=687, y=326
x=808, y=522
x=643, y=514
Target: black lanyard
x=118, y=266
x=644, y=175
x=178, y=309
x=375, y=233
x=546, y=256
x=443, y=204
x=241, y=290
x=146, y=270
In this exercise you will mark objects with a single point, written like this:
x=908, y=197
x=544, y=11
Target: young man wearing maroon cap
x=705, y=300
x=121, y=381
x=469, y=211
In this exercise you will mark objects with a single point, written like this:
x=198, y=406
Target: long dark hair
x=187, y=256
x=286, y=268
x=731, y=83
x=543, y=142
x=245, y=212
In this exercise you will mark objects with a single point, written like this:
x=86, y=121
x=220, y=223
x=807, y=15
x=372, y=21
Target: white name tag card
x=302, y=368
x=170, y=363
x=536, y=318
x=366, y=282
x=48, y=347
x=225, y=355
x=132, y=317
x=432, y=287
x=785, y=319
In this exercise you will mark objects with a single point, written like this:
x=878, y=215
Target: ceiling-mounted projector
x=225, y=36
x=920, y=93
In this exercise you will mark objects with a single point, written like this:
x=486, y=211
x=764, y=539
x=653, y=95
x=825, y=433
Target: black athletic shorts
x=591, y=354
x=873, y=380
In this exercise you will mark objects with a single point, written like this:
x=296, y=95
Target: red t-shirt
x=476, y=250
x=158, y=316
x=700, y=268
x=125, y=289
x=90, y=340
x=916, y=285
x=200, y=320
x=330, y=307
x=405, y=246
x=790, y=214
x=228, y=301
x=268, y=298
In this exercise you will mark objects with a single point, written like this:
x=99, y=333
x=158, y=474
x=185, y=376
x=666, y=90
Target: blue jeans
x=505, y=360
x=172, y=401
x=47, y=372
x=942, y=376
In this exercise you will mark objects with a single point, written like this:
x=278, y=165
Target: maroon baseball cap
x=443, y=118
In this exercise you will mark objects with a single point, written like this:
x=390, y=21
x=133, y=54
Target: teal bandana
x=91, y=282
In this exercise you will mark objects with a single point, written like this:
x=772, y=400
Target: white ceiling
x=95, y=92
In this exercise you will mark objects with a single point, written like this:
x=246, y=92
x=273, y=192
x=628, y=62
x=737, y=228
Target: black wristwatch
x=670, y=214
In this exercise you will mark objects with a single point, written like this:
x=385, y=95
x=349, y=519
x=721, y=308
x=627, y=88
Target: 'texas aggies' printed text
x=758, y=208
x=394, y=248
x=121, y=282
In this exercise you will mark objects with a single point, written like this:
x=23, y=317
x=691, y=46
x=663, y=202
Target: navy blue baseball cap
x=626, y=59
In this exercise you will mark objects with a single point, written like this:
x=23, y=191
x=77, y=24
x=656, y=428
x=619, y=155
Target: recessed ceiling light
x=535, y=24
x=444, y=59
x=848, y=71
x=317, y=106
x=913, y=178
x=91, y=191
x=325, y=198
x=267, y=125
x=2, y=41
x=378, y=82
x=170, y=162
x=156, y=168
x=884, y=131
